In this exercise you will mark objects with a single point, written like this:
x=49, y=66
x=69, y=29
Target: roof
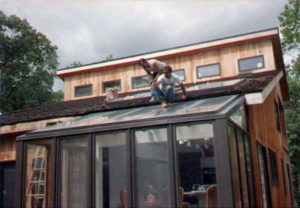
x=191, y=48
x=239, y=85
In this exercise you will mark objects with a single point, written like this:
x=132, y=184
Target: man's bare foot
x=152, y=100
x=164, y=104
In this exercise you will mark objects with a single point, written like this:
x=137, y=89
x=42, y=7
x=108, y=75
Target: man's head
x=168, y=71
x=143, y=62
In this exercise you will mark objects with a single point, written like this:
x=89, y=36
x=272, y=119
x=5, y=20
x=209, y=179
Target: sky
x=89, y=30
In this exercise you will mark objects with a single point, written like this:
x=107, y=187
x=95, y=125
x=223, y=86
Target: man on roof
x=154, y=69
x=164, y=87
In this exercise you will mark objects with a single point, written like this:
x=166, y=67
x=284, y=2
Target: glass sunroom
x=193, y=154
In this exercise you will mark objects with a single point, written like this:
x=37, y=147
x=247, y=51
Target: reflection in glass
x=38, y=180
x=239, y=117
x=111, y=170
x=249, y=171
x=251, y=63
x=180, y=74
x=138, y=82
x=74, y=172
x=234, y=167
x=208, y=70
x=197, y=172
x=243, y=170
x=152, y=168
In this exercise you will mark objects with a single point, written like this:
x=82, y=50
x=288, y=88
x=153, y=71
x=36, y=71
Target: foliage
x=29, y=64
x=74, y=64
x=290, y=30
x=290, y=26
x=109, y=57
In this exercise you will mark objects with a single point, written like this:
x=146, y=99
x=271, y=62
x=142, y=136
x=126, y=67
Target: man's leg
x=169, y=94
x=158, y=94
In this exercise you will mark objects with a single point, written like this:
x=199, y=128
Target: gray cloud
x=88, y=31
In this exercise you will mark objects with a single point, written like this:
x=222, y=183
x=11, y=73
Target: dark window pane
x=208, y=70
x=235, y=168
x=273, y=166
x=152, y=168
x=251, y=63
x=111, y=84
x=180, y=74
x=74, y=172
x=139, y=82
x=277, y=115
x=243, y=171
x=264, y=176
x=196, y=161
x=249, y=171
x=38, y=169
x=81, y=91
x=111, y=170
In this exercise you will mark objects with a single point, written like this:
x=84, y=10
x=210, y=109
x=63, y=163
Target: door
x=7, y=184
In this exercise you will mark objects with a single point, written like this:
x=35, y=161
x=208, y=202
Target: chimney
x=111, y=94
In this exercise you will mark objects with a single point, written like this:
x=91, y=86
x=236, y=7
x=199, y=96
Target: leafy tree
x=29, y=63
x=290, y=30
x=74, y=64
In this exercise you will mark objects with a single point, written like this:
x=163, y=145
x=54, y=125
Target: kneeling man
x=164, y=87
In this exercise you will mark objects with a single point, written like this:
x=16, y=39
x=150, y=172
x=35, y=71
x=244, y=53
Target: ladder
x=36, y=188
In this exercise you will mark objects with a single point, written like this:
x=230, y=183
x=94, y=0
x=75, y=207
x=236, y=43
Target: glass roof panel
x=207, y=105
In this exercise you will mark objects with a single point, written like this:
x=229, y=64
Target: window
x=251, y=63
x=116, y=84
x=38, y=179
x=74, y=173
x=139, y=82
x=180, y=74
x=196, y=164
x=111, y=170
x=240, y=118
x=85, y=90
x=264, y=176
x=277, y=115
x=273, y=166
x=208, y=70
x=152, y=168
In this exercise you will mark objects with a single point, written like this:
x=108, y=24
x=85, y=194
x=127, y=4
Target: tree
x=290, y=30
x=29, y=63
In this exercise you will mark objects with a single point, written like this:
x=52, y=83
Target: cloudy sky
x=89, y=30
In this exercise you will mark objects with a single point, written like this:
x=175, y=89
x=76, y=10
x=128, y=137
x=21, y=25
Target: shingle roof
x=251, y=83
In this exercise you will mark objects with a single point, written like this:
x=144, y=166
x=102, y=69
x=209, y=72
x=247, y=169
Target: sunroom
x=193, y=154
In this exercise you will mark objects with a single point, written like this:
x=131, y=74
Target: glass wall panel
x=151, y=168
x=74, y=189
x=234, y=167
x=249, y=171
x=243, y=171
x=264, y=176
x=197, y=172
x=38, y=179
x=239, y=117
x=111, y=170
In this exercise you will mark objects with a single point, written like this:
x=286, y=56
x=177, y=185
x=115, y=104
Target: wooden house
x=225, y=146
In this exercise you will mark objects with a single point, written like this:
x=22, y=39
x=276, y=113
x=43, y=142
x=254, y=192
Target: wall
x=262, y=128
x=226, y=56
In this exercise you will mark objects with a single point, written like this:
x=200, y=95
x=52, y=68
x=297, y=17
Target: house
x=225, y=146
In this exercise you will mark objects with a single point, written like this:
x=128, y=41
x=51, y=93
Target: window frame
x=273, y=167
x=277, y=115
x=132, y=80
x=199, y=66
x=109, y=81
x=183, y=73
x=249, y=57
x=81, y=86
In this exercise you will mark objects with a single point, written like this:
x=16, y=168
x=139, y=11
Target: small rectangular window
x=273, y=166
x=251, y=63
x=180, y=74
x=116, y=84
x=208, y=70
x=139, y=82
x=84, y=90
x=277, y=115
